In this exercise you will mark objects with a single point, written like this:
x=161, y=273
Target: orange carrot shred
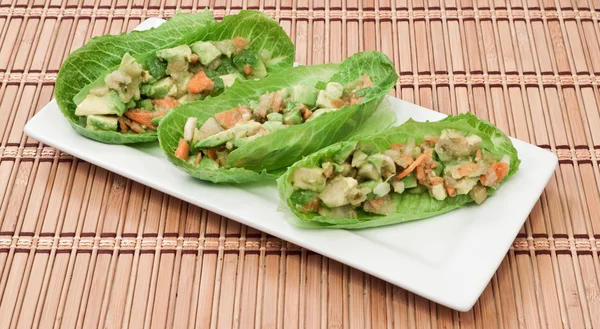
x=412, y=166
x=183, y=150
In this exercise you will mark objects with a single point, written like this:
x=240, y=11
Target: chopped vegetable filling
x=225, y=131
x=443, y=166
x=136, y=96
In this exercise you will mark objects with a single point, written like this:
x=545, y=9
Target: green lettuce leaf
x=103, y=54
x=267, y=156
x=409, y=206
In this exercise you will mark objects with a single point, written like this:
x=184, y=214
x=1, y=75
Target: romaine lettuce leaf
x=409, y=206
x=264, y=157
x=103, y=54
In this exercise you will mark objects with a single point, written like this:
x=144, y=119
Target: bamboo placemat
x=81, y=247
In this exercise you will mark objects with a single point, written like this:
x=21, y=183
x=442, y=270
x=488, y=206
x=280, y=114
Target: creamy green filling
x=138, y=95
x=442, y=166
x=208, y=144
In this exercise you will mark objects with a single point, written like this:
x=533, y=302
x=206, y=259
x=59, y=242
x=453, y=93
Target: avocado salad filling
x=209, y=145
x=443, y=166
x=134, y=97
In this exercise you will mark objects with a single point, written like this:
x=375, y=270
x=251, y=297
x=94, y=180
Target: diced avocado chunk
x=324, y=100
x=182, y=51
x=206, y=51
x=398, y=186
x=304, y=94
x=334, y=90
x=410, y=181
x=126, y=80
x=181, y=83
x=208, y=164
x=453, y=144
x=216, y=140
x=226, y=47
x=238, y=131
x=178, y=59
x=478, y=194
x=292, y=118
x=369, y=171
x=274, y=116
x=309, y=179
x=101, y=122
x=259, y=70
x=338, y=212
x=159, y=89
x=109, y=103
x=464, y=185
x=336, y=193
x=272, y=126
x=381, y=206
x=229, y=79
x=320, y=112
x=438, y=192
x=146, y=104
x=341, y=155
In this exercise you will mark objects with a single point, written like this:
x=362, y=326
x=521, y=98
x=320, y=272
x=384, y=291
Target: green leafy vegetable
x=408, y=206
x=266, y=156
x=87, y=66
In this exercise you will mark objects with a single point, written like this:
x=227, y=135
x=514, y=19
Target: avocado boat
x=413, y=171
x=116, y=89
x=255, y=129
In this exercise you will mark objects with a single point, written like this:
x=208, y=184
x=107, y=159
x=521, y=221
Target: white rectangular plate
x=448, y=259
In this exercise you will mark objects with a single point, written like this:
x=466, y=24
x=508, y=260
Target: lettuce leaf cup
x=413, y=171
x=117, y=88
x=255, y=129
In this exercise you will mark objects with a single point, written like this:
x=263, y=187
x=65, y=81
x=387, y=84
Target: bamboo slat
x=83, y=247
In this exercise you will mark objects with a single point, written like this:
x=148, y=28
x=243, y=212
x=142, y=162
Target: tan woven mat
x=81, y=247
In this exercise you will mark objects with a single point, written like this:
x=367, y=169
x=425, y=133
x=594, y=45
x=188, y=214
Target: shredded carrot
x=198, y=158
x=451, y=190
x=436, y=180
x=143, y=117
x=420, y=175
x=124, y=127
x=247, y=69
x=397, y=146
x=199, y=83
x=239, y=43
x=412, y=167
x=183, y=150
x=167, y=102
x=278, y=101
x=337, y=103
x=478, y=154
x=212, y=153
x=501, y=170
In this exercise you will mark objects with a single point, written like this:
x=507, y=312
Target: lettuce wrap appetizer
x=257, y=128
x=117, y=88
x=413, y=171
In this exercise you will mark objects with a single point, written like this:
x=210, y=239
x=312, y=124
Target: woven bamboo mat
x=81, y=247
